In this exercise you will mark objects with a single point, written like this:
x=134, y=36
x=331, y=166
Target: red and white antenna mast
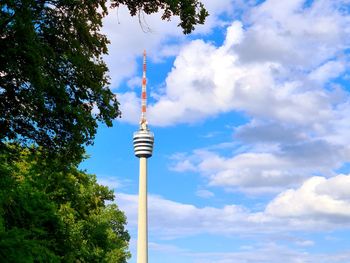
x=143, y=141
x=143, y=122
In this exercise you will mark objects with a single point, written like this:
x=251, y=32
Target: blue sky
x=251, y=115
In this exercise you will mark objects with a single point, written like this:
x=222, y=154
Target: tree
x=52, y=212
x=51, y=70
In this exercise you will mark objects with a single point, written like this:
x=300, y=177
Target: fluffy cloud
x=129, y=36
x=172, y=219
x=203, y=193
x=299, y=126
x=319, y=204
x=265, y=166
x=275, y=68
x=249, y=172
x=268, y=132
x=274, y=65
x=318, y=198
x=269, y=252
x=292, y=33
x=113, y=182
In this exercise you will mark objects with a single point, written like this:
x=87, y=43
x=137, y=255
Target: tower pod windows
x=143, y=143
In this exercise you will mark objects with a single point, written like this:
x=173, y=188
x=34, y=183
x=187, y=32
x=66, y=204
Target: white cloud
x=314, y=206
x=267, y=252
x=162, y=248
x=329, y=70
x=203, y=193
x=318, y=199
x=113, y=182
x=182, y=163
x=128, y=40
x=305, y=243
x=129, y=36
x=171, y=219
x=290, y=33
x=256, y=132
x=270, y=253
x=134, y=82
x=338, y=129
x=130, y=105
x=265, y=167
x=274, y=68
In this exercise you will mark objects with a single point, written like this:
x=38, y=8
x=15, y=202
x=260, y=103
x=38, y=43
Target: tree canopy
x=53, y=212
x=52, y=74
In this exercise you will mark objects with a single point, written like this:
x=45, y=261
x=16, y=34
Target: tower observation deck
x=143, y=141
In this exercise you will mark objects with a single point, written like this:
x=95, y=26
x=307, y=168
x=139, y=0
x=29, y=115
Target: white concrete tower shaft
x=143, y=148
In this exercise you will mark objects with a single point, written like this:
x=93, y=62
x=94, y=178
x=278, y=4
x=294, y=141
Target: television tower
x=143, y=147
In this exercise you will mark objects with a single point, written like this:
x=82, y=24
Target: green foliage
x=51, y=70
x=191, y=12
x=52, y=73
x=52, y=212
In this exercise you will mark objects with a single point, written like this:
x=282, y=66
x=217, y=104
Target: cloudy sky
x=251, y=115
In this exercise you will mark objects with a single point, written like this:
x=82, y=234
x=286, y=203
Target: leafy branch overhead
x=191, y=12
x=53, y=80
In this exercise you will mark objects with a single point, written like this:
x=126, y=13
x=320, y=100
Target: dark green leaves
x=52, y=212
x=52, y=73
x=191, y=12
